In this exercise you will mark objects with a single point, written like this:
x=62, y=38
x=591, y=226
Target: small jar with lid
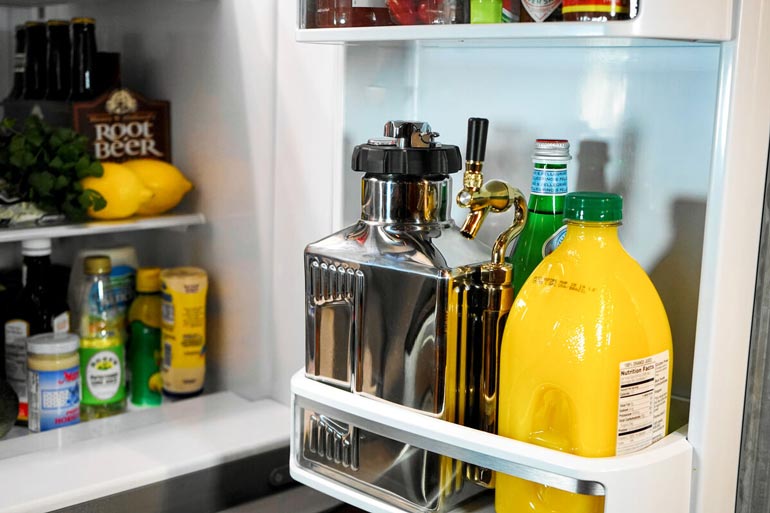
x=53, y=380
x=596, y=10
x=351, y=13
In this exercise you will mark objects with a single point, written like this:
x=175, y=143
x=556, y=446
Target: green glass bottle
x=486, y=11
x=543, y=231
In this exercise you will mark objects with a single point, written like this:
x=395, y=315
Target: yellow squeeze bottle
x=586, y=357
x=183, y=330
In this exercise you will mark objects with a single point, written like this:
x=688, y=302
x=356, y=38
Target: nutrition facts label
x=643, y=403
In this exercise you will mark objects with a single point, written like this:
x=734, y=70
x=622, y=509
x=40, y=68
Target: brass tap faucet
x=481, y=198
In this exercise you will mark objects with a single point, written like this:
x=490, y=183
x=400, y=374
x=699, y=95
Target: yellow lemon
x=121, y=188
x=166, y=181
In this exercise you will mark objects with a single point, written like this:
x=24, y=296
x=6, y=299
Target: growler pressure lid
x=408, y=148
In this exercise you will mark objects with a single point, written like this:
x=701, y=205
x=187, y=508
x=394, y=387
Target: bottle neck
x=413, y=201
x=35, y=270
x=598, y=233
x=549, y=187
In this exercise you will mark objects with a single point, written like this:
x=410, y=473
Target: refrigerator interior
x=216, y=63
x=264, y=126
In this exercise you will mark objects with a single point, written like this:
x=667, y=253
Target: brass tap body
x=495, y=196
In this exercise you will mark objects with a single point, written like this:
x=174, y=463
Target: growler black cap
x=408, y=148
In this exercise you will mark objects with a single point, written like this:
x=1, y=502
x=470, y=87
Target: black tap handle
x=477, y=139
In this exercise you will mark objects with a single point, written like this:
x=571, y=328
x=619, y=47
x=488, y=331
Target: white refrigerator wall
x=255, y=122
x=640, y=121
x=216, y=62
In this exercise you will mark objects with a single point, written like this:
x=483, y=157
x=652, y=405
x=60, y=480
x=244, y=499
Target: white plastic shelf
x=43, y=3
x=56, y=231
x=76, y=464
x=655, y=479
x=682, y=20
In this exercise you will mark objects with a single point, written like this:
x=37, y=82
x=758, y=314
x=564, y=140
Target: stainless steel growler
x=406, y=307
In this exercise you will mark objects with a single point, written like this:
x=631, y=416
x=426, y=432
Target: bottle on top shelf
x=35, y=66
x=19, y=58
x=540, y=10
x=59, y=72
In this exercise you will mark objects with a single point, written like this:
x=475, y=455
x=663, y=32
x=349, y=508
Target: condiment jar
x=596, y=10
x=53, y=380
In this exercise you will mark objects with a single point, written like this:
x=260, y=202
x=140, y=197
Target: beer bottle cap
x=83, y=21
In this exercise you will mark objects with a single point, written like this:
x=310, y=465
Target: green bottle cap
x=593, y=206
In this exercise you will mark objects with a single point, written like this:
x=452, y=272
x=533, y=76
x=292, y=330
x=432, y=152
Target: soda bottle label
x=102, y=371
x=16, y=332
x=642, y=403
x=596, y=6
x=549, y=182
x=540, y=9
x=61, y=323
x=376, y=4
x=553, y=242
x=144, y=358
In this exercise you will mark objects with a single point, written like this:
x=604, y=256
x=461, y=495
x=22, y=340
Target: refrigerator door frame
x=730, y=255
x=731, y=242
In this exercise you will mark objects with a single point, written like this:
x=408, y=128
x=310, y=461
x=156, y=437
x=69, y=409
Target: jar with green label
x=102, y=346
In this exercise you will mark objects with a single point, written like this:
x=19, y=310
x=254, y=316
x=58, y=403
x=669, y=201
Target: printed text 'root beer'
x=123, y=125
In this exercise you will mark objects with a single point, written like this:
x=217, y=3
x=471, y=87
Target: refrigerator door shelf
x=684, y=20
x=655, y=479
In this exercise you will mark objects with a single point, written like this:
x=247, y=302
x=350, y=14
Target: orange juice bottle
x=586, y=356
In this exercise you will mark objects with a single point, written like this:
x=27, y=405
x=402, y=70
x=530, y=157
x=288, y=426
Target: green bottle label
x=549, y=182
x=146, y=382
x=554, y=241
x=103, y=373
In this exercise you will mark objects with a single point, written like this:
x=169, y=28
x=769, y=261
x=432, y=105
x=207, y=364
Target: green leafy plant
x=44, y=165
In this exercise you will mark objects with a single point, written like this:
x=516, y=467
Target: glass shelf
x=662, y=21
x=87, y=461
x=56, y=231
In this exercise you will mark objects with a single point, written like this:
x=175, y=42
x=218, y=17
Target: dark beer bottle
x=59, y=57
x=19, y=58
x=83, y=59
x=35, y=81
x=37, y=309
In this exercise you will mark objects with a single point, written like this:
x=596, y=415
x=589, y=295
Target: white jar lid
x=53, y=343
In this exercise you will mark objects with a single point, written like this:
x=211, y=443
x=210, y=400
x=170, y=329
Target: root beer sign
x=122, y=125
